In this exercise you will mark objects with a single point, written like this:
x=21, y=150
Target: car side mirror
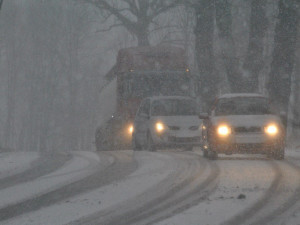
x=203, y=116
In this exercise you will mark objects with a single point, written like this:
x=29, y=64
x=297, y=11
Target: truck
x=142, y=72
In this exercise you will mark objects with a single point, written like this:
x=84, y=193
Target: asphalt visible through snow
x=164, y=187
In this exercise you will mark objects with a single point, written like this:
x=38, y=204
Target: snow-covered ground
x=243, y=186
x=79, y=167
x=15, y=162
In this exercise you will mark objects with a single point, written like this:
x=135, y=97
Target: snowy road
x=163, y=188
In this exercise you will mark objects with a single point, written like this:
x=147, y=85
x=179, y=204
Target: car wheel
x=150, y=145
x=205, y=153
x=278, y=154
x=212, y=155
x=135, y=145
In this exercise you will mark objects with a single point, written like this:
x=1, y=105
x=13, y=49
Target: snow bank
x=12, y=163
x=79, y=167
x=157, y=169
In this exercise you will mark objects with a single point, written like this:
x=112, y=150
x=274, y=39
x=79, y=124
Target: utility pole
x=1, y=1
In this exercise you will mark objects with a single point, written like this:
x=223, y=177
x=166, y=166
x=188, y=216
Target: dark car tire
x=150, y=145
x=135, y=145
x=278, y=154
x=212, y=155
x=205, y=153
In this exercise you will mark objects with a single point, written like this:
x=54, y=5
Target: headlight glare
x=271, y=129
x=130, y=129
x=159, y=127
x=223, y=130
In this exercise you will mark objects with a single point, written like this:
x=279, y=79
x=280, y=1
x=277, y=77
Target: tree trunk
x=204, y=31
x=294, y=115
x=142, y=37
x=226, y=56
x=254, y=61
x=12, y=60
x=283, y=55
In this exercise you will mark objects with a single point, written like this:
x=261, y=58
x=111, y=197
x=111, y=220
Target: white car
x=167, y=122
x=242, y=123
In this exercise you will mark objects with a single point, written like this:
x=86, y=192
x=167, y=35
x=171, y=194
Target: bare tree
x=294, y=114
x=254, y=61
x=204, y=35
x=135, y=15
x=284, y=54
x=227, y=54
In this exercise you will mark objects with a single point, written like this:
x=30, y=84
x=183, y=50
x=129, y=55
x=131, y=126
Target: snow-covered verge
x=149, y=173
x=77, y=168
x=15, y=162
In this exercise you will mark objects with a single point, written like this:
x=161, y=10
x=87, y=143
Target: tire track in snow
x=179, y=191
x=283, y=206
x=120, y=167
x=273, y=203
x=45, y=164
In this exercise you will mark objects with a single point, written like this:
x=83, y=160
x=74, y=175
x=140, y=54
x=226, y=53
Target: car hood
x=246, y=120
x=180, y=121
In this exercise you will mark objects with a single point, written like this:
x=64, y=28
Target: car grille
x=247, y=129
x=184, y=139
x=194, y=128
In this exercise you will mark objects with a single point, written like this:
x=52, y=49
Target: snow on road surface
x=242, y=183
x=15, y=162
x=79, y=167
x=169, y=188
x=149, y=173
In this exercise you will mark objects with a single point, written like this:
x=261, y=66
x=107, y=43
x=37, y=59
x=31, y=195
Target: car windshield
x=242, y=106
x=174, y=107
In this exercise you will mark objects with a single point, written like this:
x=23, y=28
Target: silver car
x=242, y=123
x=166, y=122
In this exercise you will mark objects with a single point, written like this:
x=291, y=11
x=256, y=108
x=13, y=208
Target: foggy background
x=54, y=55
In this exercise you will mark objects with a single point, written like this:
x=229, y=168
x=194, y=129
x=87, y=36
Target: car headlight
x=159, y=127
x=223, y=130
x=271, y=129
x=130, y=129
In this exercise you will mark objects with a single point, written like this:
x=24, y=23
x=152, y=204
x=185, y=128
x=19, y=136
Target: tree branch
x=102, y=4
x=133, y=7
x=163, y=9
x=110, y=27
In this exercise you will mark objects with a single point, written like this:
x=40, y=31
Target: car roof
x=241, y=95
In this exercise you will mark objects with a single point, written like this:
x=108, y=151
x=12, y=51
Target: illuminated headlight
x=271, y=129
x=159, y=127
x=130, y=129
x=223, y=130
